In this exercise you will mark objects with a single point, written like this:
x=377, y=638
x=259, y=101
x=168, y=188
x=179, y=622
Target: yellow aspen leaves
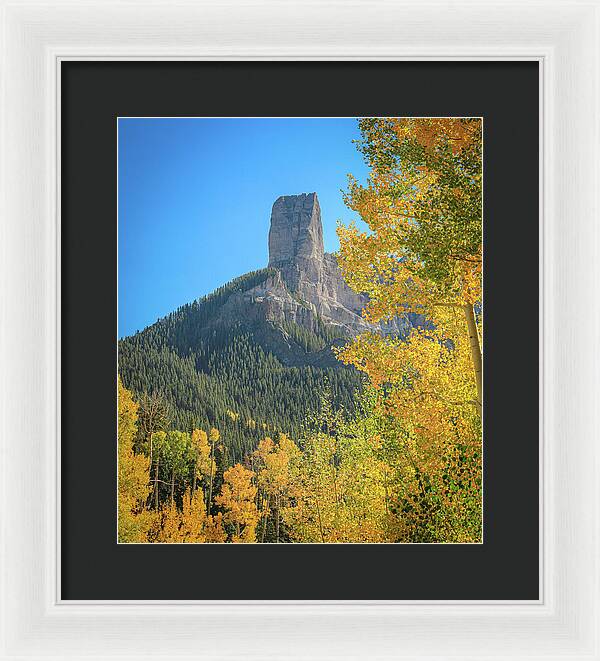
x=134, y=520
x=422, y=254
x=237, y=498
x=205, y=464
x=190, y=524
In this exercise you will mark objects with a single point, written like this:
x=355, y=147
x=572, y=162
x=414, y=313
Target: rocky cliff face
x=304, y=286
x=307, y=284
x=296, y=233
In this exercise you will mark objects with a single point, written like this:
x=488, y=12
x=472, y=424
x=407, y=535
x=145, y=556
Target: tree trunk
x=476, y=359
x=194, y=480
x=277, y=518
x=320, y=524
x=210, y=488
x=156, y=485
x=264, y=530
x=387, y=496
x=172, y=487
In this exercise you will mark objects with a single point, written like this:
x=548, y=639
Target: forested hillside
x=212, y=373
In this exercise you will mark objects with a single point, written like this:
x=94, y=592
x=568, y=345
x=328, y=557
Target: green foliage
x=349, y=478
x=312, y=340
x=226, y=377
x=446, y=506
x=446, y=221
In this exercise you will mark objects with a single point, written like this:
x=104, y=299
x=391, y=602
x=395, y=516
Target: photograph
x=301, y=357
x=300, y=330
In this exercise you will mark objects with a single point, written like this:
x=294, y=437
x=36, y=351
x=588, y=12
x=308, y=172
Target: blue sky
x=195, y=198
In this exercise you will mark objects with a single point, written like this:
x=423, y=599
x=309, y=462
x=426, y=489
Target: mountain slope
x=232, y=375
x=254, y=357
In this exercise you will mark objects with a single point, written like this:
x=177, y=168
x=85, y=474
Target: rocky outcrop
x=296, y=232
x=308, y=275
x=303, y=286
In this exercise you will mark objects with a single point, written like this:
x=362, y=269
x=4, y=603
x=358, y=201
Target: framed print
x=269, y=380
x=249, y=409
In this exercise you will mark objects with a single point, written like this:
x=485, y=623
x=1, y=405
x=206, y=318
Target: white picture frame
x=564, y=37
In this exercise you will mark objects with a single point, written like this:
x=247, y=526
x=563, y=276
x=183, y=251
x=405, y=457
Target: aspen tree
x=237, y=499
x=423, y=207
x=133, y=478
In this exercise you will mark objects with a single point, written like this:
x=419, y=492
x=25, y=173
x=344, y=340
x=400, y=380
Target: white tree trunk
x=475, y=353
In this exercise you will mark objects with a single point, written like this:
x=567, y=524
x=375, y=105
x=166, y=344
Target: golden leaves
x=422, y=254
x=434, y=132
x=190, y=524
x=133, y=488
x=237, y=498
x=422, y=204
